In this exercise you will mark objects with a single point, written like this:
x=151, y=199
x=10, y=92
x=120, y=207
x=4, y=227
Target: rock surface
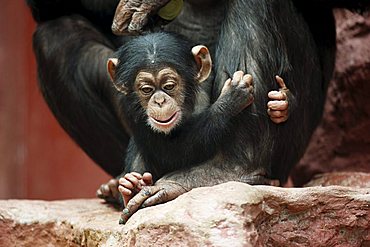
x=342, y=141
x=230, y=214
x=348, y=179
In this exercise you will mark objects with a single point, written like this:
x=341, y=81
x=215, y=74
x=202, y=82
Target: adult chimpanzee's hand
x=132, y=15
x=278, y=105
x=163, y=191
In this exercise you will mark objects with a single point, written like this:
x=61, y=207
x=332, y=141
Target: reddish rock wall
x=342, y=141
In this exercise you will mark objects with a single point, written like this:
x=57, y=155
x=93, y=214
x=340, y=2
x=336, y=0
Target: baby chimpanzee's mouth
x=172, y=119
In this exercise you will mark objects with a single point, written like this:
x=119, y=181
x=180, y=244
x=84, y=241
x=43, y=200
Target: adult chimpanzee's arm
x=71, y=55
x=43, y=10
x=95, y=10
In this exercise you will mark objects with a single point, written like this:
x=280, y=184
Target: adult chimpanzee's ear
x=111, y=67
x=204, y=62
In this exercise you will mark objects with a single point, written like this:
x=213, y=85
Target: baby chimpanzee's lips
x=168, y=121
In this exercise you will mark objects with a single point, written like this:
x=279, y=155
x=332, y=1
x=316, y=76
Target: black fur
x=272, y=46
x=77, y=88
x=295, y=39
x=199, y=136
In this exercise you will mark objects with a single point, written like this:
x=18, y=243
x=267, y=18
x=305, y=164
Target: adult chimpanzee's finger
x=160, y=197
x=279, y=120
x=168, y=191
x=277, y=105
x=281, y=82
x=277, y=95
x=122, y=18
x=138, y=21
x=135, y=203
x=277, y=114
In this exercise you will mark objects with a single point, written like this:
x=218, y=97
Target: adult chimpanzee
x=263, y=38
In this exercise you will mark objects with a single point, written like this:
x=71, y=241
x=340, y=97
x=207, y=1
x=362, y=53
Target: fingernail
x=122, y=221
x=133, y=28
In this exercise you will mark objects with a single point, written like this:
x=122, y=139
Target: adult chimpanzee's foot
x=109, y=192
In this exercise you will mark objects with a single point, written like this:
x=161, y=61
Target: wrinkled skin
x=132, y=15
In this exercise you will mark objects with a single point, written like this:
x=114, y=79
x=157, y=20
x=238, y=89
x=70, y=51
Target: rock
x=230, y=214
x=349, y=179
x=86, y=222
x=342, y=141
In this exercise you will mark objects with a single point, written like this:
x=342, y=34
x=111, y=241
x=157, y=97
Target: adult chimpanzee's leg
x=71, y=56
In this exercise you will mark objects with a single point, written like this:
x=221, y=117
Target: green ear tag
x=171, y=10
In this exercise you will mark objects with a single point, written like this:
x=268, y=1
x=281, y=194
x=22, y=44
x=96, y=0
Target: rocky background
x=342, y=141
x=231, y=214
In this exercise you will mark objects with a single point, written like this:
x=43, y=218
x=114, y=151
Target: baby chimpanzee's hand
x=237, y=93
x=163, y=191
x=132, y=183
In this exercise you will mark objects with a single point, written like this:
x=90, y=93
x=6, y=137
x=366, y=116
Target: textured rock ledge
x=231, y=214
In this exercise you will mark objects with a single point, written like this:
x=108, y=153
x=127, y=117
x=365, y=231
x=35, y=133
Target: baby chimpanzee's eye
x=147, y=89
x=169, y=86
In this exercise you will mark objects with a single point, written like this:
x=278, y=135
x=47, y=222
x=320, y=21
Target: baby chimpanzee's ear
x=203, y=60
x=111, y=68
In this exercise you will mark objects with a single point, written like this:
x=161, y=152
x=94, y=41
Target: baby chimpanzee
x=161, y=100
